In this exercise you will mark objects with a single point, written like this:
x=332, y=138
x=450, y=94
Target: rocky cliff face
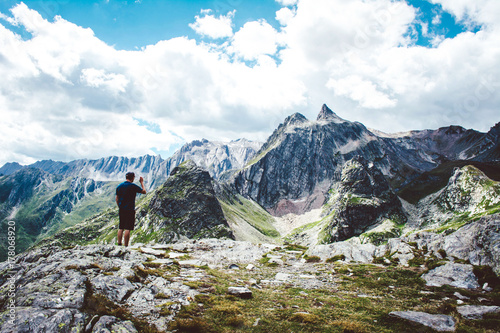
x=362, y=199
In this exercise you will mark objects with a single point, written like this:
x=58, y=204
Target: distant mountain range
x=311, y=182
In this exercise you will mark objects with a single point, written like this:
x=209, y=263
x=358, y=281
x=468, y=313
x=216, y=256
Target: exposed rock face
x=10, y=168
x=477, y=242
x=295, y=168
x=185, y=206
x=361, y=199
x=56, y=289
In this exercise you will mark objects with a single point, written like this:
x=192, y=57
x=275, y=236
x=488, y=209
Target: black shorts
x=127, y=219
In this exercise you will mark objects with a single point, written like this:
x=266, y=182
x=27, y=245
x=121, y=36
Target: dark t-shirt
x=126, y=192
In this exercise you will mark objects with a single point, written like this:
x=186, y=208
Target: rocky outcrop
x=361, y=199
x=477, y=242
x=185, y=206
x=81, y=289
x=468, y=195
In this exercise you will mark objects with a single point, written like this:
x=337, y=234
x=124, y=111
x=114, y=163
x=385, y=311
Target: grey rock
x=477, y=242
x=476, y=311
x=440, y=323
x=282, y=277
x=60, y=290
x=110, y=324
x=37, y=320
x=115, y=288
x=242, y=292
x=353, y=251
x=456, y=275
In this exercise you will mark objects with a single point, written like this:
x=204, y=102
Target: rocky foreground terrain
x=421, y=283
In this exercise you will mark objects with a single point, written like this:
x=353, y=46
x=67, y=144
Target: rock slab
x=456, y=275
x=440, y=323
x=476, y=311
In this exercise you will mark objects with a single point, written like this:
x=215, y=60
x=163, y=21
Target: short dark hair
x=130, y=175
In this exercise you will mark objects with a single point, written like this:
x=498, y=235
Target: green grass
x=239, y=208
x=286, y=308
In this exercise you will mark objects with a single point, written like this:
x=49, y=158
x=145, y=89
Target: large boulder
x=453, y=274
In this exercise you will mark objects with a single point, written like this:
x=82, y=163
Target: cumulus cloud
x=65, y=94
x=210, y=26
x=284, y=15
x=254, y=39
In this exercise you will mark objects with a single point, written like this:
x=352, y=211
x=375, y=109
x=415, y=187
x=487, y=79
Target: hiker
x=125, y=199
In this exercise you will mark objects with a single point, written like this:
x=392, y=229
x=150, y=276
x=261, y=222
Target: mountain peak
x=295, y=119
x=327, y=114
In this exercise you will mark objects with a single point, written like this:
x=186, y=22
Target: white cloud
x=363, y=91
x=284, y=15
x=473, y=11
x=254, y=39
x=65, y=94
x=213, y=27
x=98, y=78
x=287, y=2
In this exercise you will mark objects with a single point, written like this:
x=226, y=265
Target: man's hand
x=141, y=180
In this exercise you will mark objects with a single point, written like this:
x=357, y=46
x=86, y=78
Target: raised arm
x=141, y=180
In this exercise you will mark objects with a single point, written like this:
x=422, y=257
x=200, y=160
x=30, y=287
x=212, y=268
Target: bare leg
x=120, y=233
x=126, y=236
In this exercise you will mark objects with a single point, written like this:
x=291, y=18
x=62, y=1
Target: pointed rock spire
x=327, y=114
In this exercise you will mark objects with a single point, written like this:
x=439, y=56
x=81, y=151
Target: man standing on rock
x=125, y=199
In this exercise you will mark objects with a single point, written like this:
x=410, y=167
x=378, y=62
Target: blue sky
x=87, y=79
x=134, y=24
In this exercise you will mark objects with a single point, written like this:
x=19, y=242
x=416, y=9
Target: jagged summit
x=295, y=119
x=327, y=114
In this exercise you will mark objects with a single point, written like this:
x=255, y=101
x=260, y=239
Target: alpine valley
x=324, y=204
